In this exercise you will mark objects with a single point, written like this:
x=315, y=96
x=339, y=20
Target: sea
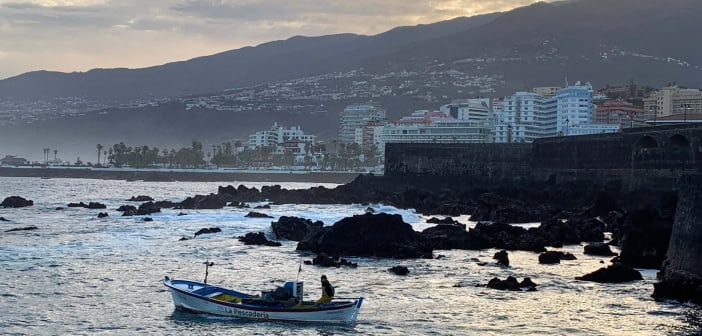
x=80, y=275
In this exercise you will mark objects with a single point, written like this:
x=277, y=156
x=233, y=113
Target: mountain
x=306, y=81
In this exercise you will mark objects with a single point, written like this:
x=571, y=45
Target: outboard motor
x=296, y=288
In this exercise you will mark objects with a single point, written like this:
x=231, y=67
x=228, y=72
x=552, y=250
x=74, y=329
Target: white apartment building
x=673, y=100
x=356, y=116
x=277, y=136
x=476, y=110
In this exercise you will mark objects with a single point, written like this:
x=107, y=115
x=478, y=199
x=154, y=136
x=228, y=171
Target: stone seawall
x=681, y=275
x=648, y=157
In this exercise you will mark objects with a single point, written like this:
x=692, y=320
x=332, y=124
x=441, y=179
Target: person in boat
x=327, y=291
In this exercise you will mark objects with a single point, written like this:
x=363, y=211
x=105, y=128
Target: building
x=370, y=134
x=356, y=116
x=435, y=127
x=528, y=116
x=477, y=109
x=277, y=137
x=12, y=160
x=619, y=112
x=672, y=100
x=546, y=91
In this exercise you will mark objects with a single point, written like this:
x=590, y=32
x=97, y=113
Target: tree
x=55, y=153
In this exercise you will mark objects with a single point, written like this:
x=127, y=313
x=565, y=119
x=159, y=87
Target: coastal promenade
x=172, y=175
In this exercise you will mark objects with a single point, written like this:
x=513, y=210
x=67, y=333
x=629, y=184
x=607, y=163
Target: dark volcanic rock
x=3, y=219
x=254, y=214
x=448, y=237
x=447, y=220
x=264, y=206
x=380, y=235
x=28, y=228
x=211, y=201
x=294, y=228
x=147, y=209
x=399, y=270
x=96, y=205
x=166, y=204
x=510, y=283
x=140, y=198
x=257, y=238
x=555, y=257
x=599, y=249
x=207, y=231
x=324, y=260
x=502, y=258
x=102, y=215
x=182, y=214
x=183, y=239
x=77, y=205
x=644, y=238
x=370, y=210
x=497, y=208
x=615, y=273
x=16, y=202
x=527, y=283
x=124, y=208
x=679, y=288
x=148, y=219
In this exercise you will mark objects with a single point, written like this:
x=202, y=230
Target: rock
x=502, y=258
x=399, y=270
x=644, y=238
x=555, y=257
x=182, y=214
x=16, y=202
x=207, y=231
x=96, y=205
x=28, y=228
x=148, y=219
x=140, y=198
x=211, y=201
x=527, y=283
x=3, y=219
x=294, y=228
x=599, y=249
x=497, y=208
x=324, y=260
x=447, y=220
x=257, y=238
x=615, y=273
x=264, y=206
x=130, y=212
x=370, y=210
x=124, y=208
x=147, y=209
x=183, y=238
x=240, y=205
x=77, y=205
x=448, y=237
x=510, y=283
x=380, y=235
x=102, y=215
x=254, y=214
x=58, y=208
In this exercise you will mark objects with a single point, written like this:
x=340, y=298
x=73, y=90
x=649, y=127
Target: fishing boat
x=284, y=304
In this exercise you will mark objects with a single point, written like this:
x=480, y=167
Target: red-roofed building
x=619, y=112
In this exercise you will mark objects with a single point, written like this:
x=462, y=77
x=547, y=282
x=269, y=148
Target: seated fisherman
x=327, y=291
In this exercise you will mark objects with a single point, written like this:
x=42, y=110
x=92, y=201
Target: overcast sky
x=78, y=35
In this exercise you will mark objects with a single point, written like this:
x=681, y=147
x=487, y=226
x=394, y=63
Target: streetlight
x=685, y=108
x=655, y=114
x=509, y=133
x=566, y=128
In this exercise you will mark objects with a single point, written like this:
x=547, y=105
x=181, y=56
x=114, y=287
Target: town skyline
x=76, y=36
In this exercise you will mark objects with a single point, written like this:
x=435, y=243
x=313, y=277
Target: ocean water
x=79, y=275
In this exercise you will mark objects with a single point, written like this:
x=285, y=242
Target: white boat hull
x=185, y=299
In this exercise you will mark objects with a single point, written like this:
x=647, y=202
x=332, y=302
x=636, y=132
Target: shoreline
x=180, y=175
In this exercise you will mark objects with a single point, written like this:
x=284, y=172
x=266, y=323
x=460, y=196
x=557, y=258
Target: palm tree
x=99, y=148
x=55, y=153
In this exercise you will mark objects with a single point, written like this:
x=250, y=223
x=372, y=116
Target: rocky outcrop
x=166, y=204
x=3, y=219
x=378, y=235
x=615, y=273
x=263, y=206
x=644, y=238
x=446, y=220
x=257, y=238
x=294, y=228
x=16, y=202
x=211, y=201
x=254, y=214
x=496, y=208
x=511, y=284
x=102, y=215
x=324, y=260
x=555, y=257
x=502, y=258
x=448, y=237
x=140, y=198
x=599, y=249
x=399, y=270
x=207, y=231
x=91, y=205
x=148, y=219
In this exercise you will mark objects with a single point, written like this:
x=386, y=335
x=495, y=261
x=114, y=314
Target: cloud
x=80, y=34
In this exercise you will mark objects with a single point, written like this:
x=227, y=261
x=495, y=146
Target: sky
x=79, y=35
